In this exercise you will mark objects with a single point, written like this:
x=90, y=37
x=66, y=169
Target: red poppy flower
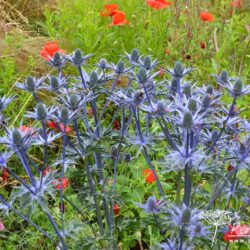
x=166, y=51
x=116, y=125
x=119, y=19
x=61, y=183
x=237, y=232
x=109, y=10
x=206, y=16
x=53, y=126
x=203, y=45
x=5, y=174
x=158, y=4
x=236, y=3
x=148, y=173
x=49, y=50
x=116, y=209
x=229, y=168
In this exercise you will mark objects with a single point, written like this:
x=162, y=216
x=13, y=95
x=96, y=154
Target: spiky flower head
x=224, y=76
x=30, y=82
x=78, y=57
x=210, y=89
x=93, y=78
x=192, y=105
x=134, y=55
x=64, y=116
x=237, y=88
x=138, y=97
x=187, y=90
x=178, y=69
x=41, y=112
x=74, y=101
x=215, y=135
x=161, y=107
x=142, y=75
x=120, y=67
x=147, y=63
x=186, y=216
x=152, y=205
x=206, y=101
x=102, y=64
x=174, y=84
x=54, y=83
x=187, y=120
x=17, y=137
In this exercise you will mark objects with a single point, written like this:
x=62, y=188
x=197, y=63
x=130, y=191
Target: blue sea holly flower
x=152, y=205
x=119, y=69
x=57, y=61
x=179, y=71
x=103, y=64
x=41, y=113
x=56, y=82
x=31, y=84
x=133, y=57
x=173, y=244
x=77, y=58
x=198, y=230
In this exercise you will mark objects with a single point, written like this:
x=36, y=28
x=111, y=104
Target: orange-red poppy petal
x=158, y=4
x=109, y=10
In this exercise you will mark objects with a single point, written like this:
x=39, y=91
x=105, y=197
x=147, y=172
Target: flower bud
x=74, y=101
x=138, y=97
x=224, y=76
x=187, y=120
x=41, y=112
x=147, y=62
x=54, y=83
x=78, y=57
x=206, y=101
x=30, y=84
x=93, y=79
x=192, y=105
x=161, y=108
x=210, y=90
x=187, y=90
x=178, y=69
x=17, y=137
x=215, y=135
x=103, y=63
x=64, y=115
x=134, y=55
x=186, y=216
x=120, y=67
x=237, y=88
x=142, y=75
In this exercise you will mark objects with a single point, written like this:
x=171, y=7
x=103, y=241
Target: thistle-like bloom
x=57, y=61
x=147, y=63
x=31, y=84
x=152, y=205
x=49, y=50
x=183, y=217
x=133, y=57
x=77, y=58
x=103, y=64
x=48, y=141
x=65, y=116
x=56, y=82
x=236, y=88
x=173, y=244
x=145, y=80
x=179, y=71
x=159, y=108
x=41, y=113
x=119, y=69
x=198, y=230
x=17, y=140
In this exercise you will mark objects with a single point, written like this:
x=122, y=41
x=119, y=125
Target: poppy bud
x=5, y=174
x=187, y=90
x=142, y=75
x=93, y=79
x=41, y=112
x=74, y=101
x=78, y=57
x=192, y=105
x=187, y=120
x=237, y=88
x=116, y=124
x=30, y=84
x=134, y=55
x=215, y=135
x=116, y=209
x=64, y=115
x=166, y=51
x=186, y=216
x=138, y=97
x=120, y=67
x=203, y=45
x=17, y=137
x=178, y=69
x=147, y=62
x=206, y=101
x=210, y=90
x=54, y=83
x=224, y=76
x=161, y=107
x=103, y=63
